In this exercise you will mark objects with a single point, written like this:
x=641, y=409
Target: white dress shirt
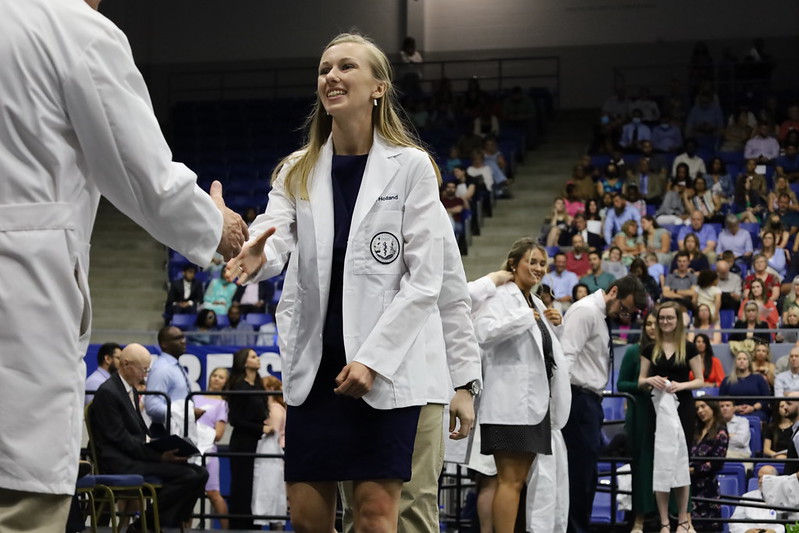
x=586, y=341
x=738, y=430
x=754, y=513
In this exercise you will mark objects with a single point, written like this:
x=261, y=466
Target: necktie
x=643, y=180
x=185, y=378
x=635, y=135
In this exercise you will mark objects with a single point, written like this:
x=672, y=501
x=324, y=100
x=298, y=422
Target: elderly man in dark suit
x=119, y=432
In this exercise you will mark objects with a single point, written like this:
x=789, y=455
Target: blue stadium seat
x=613, y=408
x=258, y=319
x=755, y=439
x=184, y=321
x=222, y=321
x=726, y=512
x=727, y=320
x=753, y=484
x=728, y=485
x=734, y=469
x=779, y=466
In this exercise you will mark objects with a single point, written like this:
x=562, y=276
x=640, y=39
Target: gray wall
x=591, y=37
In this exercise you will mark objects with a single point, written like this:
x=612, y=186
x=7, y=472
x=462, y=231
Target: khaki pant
x=33, y=512
x=418, y=512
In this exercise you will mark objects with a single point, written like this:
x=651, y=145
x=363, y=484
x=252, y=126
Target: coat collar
x=535, y=331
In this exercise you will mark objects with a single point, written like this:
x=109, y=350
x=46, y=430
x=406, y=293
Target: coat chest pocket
x=382, y=246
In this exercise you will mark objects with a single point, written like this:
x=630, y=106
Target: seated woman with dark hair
x=713, y=370
x=205, y=322
x=705, y=323
x=710, y=440
x=639, y=269
x=750, y=200
x=699, y=260
x=777, y=437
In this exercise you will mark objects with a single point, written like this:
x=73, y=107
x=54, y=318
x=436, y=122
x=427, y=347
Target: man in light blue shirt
x=233, y=334
x=618, y=215
x=167, y=376
x=107, y=364
x=706, y=234
x=733, y=239
x=788, y=381
x=561, y=281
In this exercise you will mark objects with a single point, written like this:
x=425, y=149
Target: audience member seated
x=634, y=199
x=657, y=240
x=705, y=122
x=486, y=123
x=782, y=235
x=585, y=188
x=184, y=294
x=792, y=414
x=720, y=182
x=634, y=132
x=743, y=381
x=562, y=282
x=738, y=131
x=732, y=239
x=107, y=364
x=454, y=206
x=680, y=283
x=777, y=436
x=650, y=112
x=771, y=284
x=789, y=331
x=205, y=323
x=219, y=295
x=788, y=163
x=454, y=160
x=651, y=185
x=466, y=187
x=788, y=381
x=579, y=226
x=713, y=371
x=761, y=363
x=655, y=269
x=597, y=278
x=120, y=437
x=730, y=284
x=480, y=171
x=593, y=212
x=781, y=187
x=673, y=210
x=579, y=292
x=757, y=181
x=744, y=512
x=751, y=320
x=577, y=257
x=762, y=146
x=572, y=202
x=710, y=440
x=791, y=123
x=613, y=263
x=696, y=165
x=611, y=181
x=495, y=160
x=621, y=328
x=706, y=321
x=255, y=297
x=704, y=232
x=698, y=260
x=639, y=270
x=238, y=332
x=617, y=107
x=738, y=431
x=699, y=198
x=618, y=215
x=666, y=136
x=556, y=224
x=629, y=241
x=776, y=257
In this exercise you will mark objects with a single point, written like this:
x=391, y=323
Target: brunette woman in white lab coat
x=521, y=354
x=356, y=215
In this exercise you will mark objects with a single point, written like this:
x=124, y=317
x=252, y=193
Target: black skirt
x=517, y=438
x=338, y=438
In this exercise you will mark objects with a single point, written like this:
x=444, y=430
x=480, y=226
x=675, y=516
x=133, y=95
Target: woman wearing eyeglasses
x=665, y=368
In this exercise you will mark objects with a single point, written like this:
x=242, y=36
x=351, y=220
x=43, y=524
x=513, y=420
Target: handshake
x=234, y=230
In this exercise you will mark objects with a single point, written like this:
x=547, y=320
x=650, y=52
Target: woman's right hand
x=657, y=382
x=250, y=259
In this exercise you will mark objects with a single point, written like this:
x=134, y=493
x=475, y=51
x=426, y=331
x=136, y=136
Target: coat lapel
x=381, y=167
x=321, y=205
x=535, y=332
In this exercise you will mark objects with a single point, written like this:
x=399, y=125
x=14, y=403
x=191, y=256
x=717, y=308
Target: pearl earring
x=375, y=101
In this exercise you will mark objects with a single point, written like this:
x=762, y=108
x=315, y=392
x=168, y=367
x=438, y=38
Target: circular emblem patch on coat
x=385, y=247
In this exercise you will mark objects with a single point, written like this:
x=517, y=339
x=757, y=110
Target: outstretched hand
x=355, y=380
x=234, y=230
x=250, y=259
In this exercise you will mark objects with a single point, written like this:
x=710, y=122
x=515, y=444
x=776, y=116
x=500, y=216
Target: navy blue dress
x=338, y=438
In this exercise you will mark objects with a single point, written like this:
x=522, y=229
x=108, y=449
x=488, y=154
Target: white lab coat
x=670, y=467
x=393, y=274
x=514, y=371
x=754, y=513
x=76, y=122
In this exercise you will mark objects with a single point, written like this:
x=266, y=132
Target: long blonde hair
x=679, y=335
x=732, y=377
x=318, y=125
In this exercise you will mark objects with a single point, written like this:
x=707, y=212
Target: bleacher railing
x=287, y=82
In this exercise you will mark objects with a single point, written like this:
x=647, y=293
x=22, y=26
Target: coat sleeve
x=629, y=371
x=576, y=332
x=385, y=347
x=127, y=156
x=281, y=212
x=480, y=291
x=455, y=307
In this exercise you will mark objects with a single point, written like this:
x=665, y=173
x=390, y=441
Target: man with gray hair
x=733, y=239
x=730, y=284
